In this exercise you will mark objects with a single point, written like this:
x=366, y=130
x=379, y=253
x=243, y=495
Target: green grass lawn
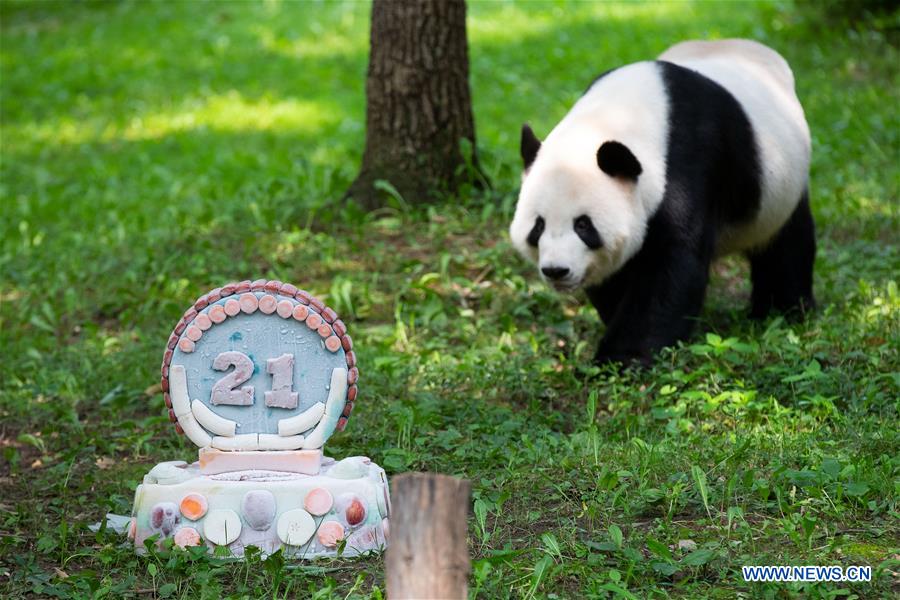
x=152, y=151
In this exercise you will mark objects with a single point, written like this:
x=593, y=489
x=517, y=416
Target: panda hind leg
x=782, y=272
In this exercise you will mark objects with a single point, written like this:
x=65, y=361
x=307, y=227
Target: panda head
x=577, y=215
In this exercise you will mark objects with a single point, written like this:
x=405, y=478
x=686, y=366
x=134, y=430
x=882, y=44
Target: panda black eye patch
x=585, y=229
x=535, y=234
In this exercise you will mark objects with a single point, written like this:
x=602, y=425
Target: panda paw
x=623, y=358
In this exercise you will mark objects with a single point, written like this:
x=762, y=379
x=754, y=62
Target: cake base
x=344, y=507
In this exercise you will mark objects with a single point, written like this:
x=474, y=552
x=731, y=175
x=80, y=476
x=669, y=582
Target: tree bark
x=418, y=104
x=427, y=556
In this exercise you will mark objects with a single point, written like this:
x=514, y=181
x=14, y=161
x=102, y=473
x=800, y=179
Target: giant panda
x=659, y=168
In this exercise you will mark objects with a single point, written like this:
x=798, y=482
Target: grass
x=152, y=151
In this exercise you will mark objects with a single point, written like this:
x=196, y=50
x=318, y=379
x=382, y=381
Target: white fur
x=763, y=83
x=630, y=105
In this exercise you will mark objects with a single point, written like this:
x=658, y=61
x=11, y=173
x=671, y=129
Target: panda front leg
x=607, y=297
x=659, y=306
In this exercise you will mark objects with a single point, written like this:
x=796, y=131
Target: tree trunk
x=427, y=556
x=418, y=105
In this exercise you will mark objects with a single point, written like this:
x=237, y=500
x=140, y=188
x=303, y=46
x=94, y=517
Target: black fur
x=616, y=160
x=712, y=179
x=782, y=272
x=585, y=229
x=535, y=234
x=528, y=146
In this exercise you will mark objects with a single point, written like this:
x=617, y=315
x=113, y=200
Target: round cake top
x=259, y=365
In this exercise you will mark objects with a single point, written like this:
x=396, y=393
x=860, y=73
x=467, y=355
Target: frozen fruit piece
x=349, y=356
x=186, y=536
x=318, y=501
x=273, y=286
x=295, y=527
x=267, y=304
x=365, y=538
x=228, y=289
x=352, y=375
x=301, y=312
x=214, y=296
x=258, y=508
x=352, y=508
x=194, y=506
x=193, y=430
x=285, y=308
x=164, y=517
x=243, y=441
x=232, y=307
x=186, y=345
x=272, y=441
x=347, y=342
x=288, y=289
x=203, y=321
x=339, y=328
x=222, y=526
x=258, y=285
x=305, y=421
x=330, y=533
x=242, y=287
x=329, y=315
x=352, y=393
x=193, y=333
x=212, y=422
x=352, y=467
x=333, y=344
x=249, y=303
x=217, y=314
x=313, y=320
x=316, y=304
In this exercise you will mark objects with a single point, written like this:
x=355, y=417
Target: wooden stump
x=427, y=557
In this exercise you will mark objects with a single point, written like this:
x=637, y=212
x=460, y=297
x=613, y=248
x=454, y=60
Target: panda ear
x=616, y=160
x=529, y=146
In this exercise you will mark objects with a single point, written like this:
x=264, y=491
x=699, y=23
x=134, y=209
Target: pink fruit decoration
x=330, y=533
x=318, y=501
x=186, y=536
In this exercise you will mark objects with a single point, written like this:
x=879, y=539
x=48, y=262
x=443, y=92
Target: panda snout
x=555, y=273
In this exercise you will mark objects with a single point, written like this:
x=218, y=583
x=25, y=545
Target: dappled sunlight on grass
x=326, y=40
x=230, y=112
